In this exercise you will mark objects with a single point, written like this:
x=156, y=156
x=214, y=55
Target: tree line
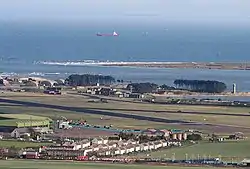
x=147, y=87
x=142, y=87
x=88, y=80
x=209, y=86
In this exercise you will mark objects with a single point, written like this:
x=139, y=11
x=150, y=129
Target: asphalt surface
x=168, y=112
x=92, y=111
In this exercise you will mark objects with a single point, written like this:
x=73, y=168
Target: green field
x=11, y=164
x=20, y=144
x=22, y=120
x=228, y=150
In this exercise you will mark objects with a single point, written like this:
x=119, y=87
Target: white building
x=137, y=148
x=81, y=144
x=157, y=145
x=86, y=151
x=122, y=151
x=144, y=147
x=100, y=141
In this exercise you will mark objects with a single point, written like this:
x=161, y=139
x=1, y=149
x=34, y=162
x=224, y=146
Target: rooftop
x=176, y=131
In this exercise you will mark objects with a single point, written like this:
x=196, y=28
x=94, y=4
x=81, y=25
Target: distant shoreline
x=225, y=94
x=193, y=65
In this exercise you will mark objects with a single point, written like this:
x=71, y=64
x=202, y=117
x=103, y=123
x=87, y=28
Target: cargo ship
x=107, y=34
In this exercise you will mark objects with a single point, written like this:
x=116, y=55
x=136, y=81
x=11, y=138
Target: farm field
x=220, y=119
x=18, y=164
x=228, y=151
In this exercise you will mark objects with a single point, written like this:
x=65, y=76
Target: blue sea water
x=22, y=45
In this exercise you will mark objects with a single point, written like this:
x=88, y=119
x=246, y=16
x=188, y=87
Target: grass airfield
x=232, y=118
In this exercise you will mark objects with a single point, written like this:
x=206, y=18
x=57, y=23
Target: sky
x=128, y=11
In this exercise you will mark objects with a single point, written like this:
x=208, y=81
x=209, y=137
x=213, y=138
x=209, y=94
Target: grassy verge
x=79, y=165
x=19, y=144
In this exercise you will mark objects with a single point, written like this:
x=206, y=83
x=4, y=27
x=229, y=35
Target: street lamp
x=173, y=157
x=186, y=156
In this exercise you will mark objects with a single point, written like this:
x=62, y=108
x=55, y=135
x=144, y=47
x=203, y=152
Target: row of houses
x=70, y=146
x=93, y=145
x=136, y=148
x=109, y=149
x=177, y=135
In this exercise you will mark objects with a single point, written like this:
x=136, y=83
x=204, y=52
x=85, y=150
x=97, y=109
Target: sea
x=42, y=50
